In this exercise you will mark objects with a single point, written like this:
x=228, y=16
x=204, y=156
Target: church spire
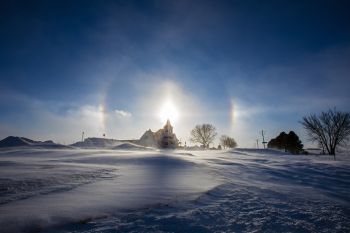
x=168, y=138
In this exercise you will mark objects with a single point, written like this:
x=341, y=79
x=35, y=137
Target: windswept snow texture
x=241, y=190
x=131, y=146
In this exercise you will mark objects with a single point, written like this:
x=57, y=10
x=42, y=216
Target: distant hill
x=162, y=138
x=106, y=143
x=13, y=141
x=97, y=143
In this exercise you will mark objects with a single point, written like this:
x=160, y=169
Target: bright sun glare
x=168, y=111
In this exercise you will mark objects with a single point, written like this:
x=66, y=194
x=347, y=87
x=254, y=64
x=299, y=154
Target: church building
x=168, y=138
x=163, y=138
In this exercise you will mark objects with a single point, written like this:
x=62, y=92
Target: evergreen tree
x=288, y=142
x=293, y=143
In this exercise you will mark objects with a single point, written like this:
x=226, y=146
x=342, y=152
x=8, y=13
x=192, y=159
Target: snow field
x=241, y=190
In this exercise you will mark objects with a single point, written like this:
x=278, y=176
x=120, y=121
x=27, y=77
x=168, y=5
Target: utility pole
x=82, y=136
x=263, y=138
x=257, y=143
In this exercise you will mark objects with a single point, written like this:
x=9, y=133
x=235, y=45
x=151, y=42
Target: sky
x=110, y=67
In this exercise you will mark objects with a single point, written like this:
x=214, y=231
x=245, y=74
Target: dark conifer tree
x=288, y=142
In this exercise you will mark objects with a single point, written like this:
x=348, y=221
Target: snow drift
x=130, y=146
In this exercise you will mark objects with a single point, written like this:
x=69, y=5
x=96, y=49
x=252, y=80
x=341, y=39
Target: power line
x=263, y=139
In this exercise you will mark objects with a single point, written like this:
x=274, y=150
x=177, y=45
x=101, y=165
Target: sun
x=168, y=111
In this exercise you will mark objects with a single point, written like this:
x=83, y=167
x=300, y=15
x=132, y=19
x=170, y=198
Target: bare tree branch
x=329, y=129
x=203, y=134
x=227, y=142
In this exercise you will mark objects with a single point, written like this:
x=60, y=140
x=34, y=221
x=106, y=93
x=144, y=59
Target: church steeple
x=168, y=139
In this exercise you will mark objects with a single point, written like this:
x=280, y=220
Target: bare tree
x=227, y=142
x=203, y=134
x=329, y=129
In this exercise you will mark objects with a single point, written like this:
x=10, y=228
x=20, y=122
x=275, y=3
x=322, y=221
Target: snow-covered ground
x=242, y=190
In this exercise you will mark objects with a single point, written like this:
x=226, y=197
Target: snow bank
x=268, y=151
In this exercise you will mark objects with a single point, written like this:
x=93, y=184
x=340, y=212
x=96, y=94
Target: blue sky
x=108, y=66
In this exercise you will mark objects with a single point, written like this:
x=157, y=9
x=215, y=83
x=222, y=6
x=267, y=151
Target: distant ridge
x=13, y=141
x=97, y=143
x=106, y=143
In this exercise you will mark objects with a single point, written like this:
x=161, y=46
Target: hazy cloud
x=122, y=113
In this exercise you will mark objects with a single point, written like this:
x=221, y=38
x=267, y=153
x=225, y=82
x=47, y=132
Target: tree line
x=205, y=134
x=329, y=130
